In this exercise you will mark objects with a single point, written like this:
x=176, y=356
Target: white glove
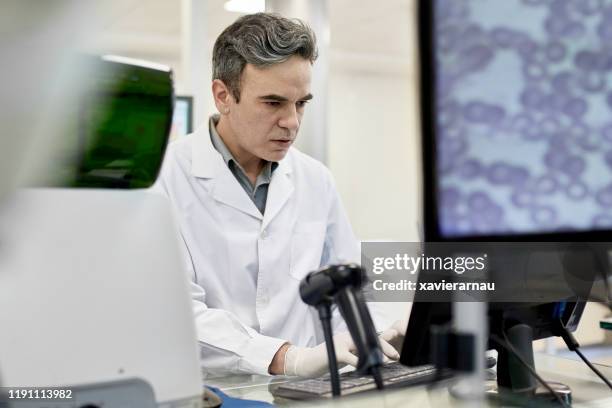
x=313, y=362
x=391, y=339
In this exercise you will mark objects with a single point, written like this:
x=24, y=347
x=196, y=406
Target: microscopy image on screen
x=524, y=115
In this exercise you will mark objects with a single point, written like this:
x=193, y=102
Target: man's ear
x=222, y=95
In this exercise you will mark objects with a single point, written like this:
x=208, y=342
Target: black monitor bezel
x=423, y=313
x=432, y=231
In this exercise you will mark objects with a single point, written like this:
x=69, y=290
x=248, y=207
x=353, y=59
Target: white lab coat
x=245, y=267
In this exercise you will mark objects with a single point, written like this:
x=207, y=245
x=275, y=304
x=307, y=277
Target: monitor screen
x=182, y=117
x=522, y=116
x=116, y=125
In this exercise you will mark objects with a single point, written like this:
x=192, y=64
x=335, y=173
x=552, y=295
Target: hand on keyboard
x=312, y=361
x=391, y=339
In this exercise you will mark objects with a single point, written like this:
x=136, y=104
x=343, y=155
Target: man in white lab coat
x=255, y=214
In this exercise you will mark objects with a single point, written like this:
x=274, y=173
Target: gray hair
x=260, y=39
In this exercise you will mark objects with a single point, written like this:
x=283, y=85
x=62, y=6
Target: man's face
x=264, y=124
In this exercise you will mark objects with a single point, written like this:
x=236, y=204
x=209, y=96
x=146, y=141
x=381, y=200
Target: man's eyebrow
x=279, y=98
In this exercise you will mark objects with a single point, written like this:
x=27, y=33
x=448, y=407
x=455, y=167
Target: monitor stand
x=514, y=379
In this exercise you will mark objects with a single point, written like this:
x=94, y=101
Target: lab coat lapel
x=227, y=190
x=280, y=190
x=208, y=164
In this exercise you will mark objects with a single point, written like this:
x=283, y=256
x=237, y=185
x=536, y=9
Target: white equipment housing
x=94, y=298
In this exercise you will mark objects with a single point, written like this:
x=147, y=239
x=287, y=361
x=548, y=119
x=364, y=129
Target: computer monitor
x=517, y=141
x=182, y=118
x=517, y=118
x=115, y=135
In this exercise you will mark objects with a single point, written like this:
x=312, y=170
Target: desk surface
x=587, y=389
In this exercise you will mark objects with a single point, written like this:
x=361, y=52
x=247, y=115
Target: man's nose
x=290, y=119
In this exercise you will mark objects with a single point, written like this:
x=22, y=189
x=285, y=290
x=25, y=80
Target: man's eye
x=301, y=104
x=272, y=103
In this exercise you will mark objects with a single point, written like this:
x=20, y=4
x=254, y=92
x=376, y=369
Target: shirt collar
x=228, y=157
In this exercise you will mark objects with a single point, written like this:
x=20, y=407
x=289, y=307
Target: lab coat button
x=264, y=234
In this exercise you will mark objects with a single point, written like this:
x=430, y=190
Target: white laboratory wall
x=373, y=144
x=374, y=152
x=374, y=134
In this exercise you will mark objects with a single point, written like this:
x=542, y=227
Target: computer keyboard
x=393, y=375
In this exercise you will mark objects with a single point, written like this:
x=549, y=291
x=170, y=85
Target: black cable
x=573, y=345
x=508, y=346
x=325, y=316
x=592, y=367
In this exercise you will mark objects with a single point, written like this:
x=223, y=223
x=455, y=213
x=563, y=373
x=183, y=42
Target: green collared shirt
x=258, y=192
